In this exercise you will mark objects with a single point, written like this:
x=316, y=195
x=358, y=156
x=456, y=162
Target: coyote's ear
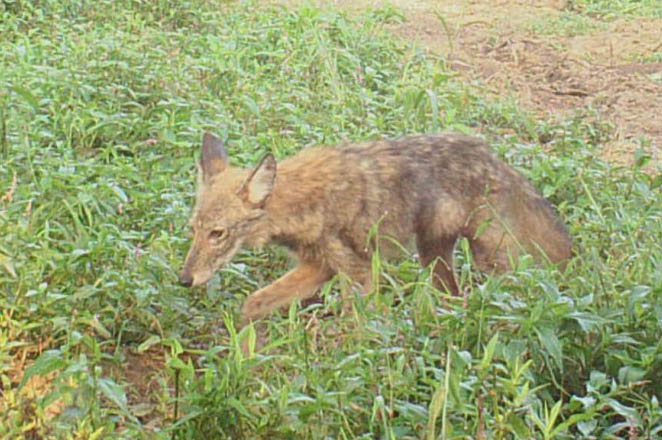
x=213, y=158
x=260, y=182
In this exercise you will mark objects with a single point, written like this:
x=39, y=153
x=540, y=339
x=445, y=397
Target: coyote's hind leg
x=438, y=252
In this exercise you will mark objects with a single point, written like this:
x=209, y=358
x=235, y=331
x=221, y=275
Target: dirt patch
x=550, y=60
x=144, y=374
x=561, y=75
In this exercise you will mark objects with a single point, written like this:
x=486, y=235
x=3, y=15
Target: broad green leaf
x=628, y=374
x=489, y=352
x=48, y=362
x=152, y=340
x=550, y=341
x=113, y=392
x=518, y=426
x=27, y=96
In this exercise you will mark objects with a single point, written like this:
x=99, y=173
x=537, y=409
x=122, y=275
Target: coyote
x=323, y=202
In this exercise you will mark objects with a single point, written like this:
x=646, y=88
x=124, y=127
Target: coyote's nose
x=186, y=280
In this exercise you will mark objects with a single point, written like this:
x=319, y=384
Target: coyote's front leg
x=301, y=282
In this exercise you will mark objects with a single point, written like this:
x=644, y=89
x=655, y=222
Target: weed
x=614, y=9
x=102, y=106
x=568, y=25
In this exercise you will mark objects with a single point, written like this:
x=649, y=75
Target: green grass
x=585, y=17
x=655, y=57
x=568, y=24
x=615, y=9
x=103, y=105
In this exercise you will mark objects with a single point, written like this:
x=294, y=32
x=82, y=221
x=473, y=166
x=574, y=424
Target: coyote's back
x=323, y=204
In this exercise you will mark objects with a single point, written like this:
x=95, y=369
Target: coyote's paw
x=256, y=306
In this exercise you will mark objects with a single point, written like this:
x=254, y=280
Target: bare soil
x=552, y=61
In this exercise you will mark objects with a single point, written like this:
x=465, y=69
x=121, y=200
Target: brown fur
x=323, y=202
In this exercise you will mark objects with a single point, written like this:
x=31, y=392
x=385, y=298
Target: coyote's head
x=229, y=211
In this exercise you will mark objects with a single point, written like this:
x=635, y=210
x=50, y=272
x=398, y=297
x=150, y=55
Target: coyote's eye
x=218, y=234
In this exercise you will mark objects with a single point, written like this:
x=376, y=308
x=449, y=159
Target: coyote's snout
x=323, y=202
